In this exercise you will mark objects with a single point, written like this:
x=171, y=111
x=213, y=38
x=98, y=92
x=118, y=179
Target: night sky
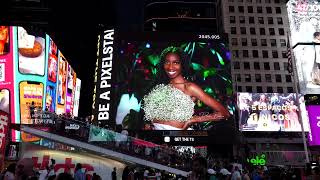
x=74, y=28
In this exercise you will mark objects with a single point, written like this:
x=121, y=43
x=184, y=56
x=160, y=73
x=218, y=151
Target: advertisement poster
x=155, y=76
x=271, y=112
x=62, y=80
x=314, y=118
x=52, y=61
x=4, y=123
x=76, y=98
x=6, y=70
x=74, y=76
x=69, y=100
x=31, y=94
x=304, y=19
x=31, y=53
x=51, y=98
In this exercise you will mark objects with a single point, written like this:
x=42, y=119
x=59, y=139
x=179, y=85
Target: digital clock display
x=209, y=36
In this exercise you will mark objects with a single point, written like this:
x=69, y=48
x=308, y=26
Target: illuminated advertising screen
x=74, y=81
x=52, y=61
x=76, y=97
x=304, y=19
x=271, y=112
x=51, y=98
x=4, y=125
x=314, y=119
x=31, y=94
x=69, y=101
x=31, y=53
x=157, y=81
x=6, y=70
x=62, y=84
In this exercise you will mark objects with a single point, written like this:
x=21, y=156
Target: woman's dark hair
x=78, y=166
x=64, y=176
x=201, y=160
x=11, y=167
x=162, y=77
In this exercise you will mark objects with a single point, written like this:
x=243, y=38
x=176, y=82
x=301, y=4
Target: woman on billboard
x=170, y=104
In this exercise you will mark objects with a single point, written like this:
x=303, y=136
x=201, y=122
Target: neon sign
x=258, y=160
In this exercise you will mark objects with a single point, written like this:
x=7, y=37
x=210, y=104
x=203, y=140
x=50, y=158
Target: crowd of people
x=24, y=170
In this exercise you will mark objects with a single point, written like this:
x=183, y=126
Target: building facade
x=258, y=41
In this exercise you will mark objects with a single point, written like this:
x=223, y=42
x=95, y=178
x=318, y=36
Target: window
x=269, y=89
x=269, y=10
x=240, y=0
x=278, y=78
x=278, y=10
x=244, y=41
x=234, y=41
x=259, y=9
x=245, y=53
x=243, y=30
x=263, y=42
x=247, y=77
x=262, y=31
x=231, y=8
x=258, y=1
x=270, y=20
x=251, y=20
x=260, y=20
x=246, y=65
x=250, y=9
x=235, y=53
x=254, y=42
x=285, y=65
x=265, y=54
x=259, y=89
x=232, y=19
x=281, y=31
x=268, y=1
x=249, y=89
x=242, y=19
x=256, y=65
x=277, y=1
x=288, y=78
x=230, y=0
x=239, y=88
x=241, y=9
x=273, y=42
x=238, y=77
x=279, y=90
x=255, y=53
x=236, y=65
x=233, y=30
x=283, y=43
x=279, y=20
x=271, y=31
x=250, y=1
x=275, y=54
x=252, y=31
x=284, y=54
x=268, y=78
x=289, y=89
x=266, y=66
x=258, y=77
x=276, y=66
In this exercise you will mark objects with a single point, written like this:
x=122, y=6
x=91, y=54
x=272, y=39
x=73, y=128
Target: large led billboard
x=304, y=19
x=314, y=119
x=162, y=81
x=271, y=112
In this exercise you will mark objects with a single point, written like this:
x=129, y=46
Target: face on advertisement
x=52, y=71
x=62, y=82
x=4, y=39
x=31, y=94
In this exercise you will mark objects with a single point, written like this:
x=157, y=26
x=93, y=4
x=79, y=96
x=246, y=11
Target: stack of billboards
x=129, y=65
x=304, y=19
x=34, y=76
